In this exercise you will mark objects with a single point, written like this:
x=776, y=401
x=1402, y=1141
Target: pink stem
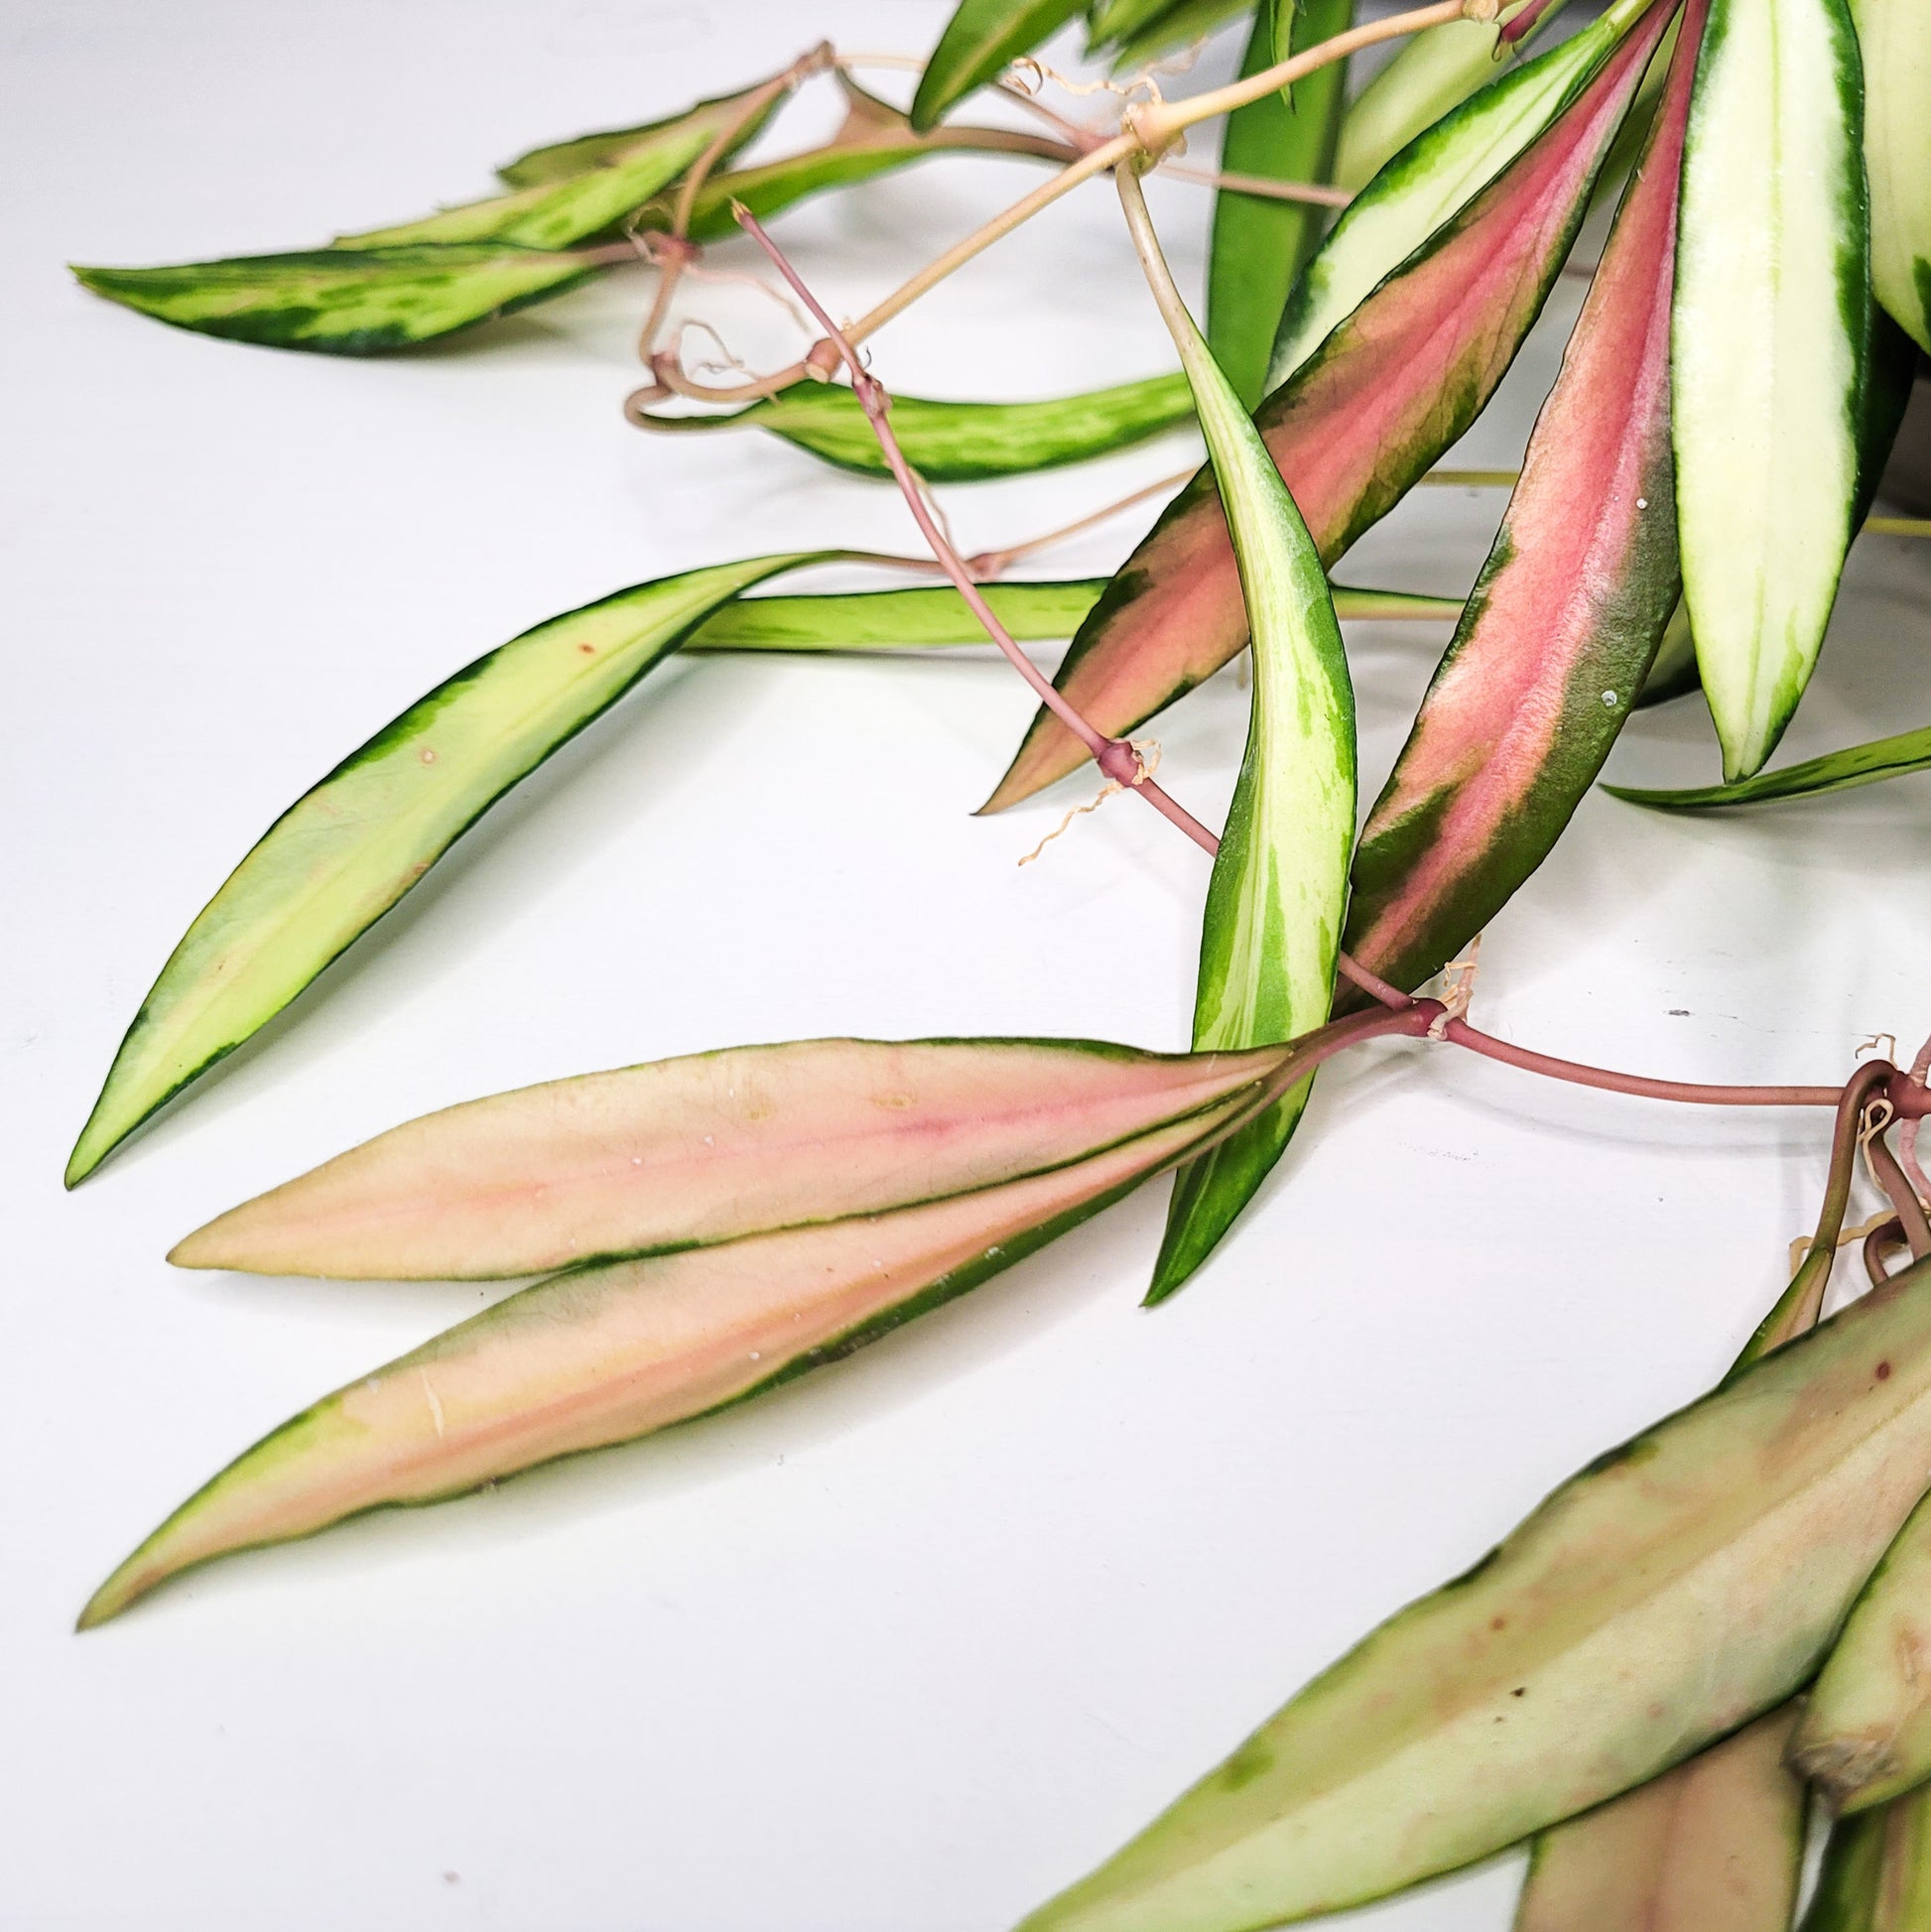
x=1907, y=1133
x=1116, y=760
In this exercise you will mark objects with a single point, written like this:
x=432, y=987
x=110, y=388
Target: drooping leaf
x=866, y=620
x=1279, y=887
x=615, y=1350
x=1771, y=301
x=691, y=1152
x=1565, y=618
x=1258, y=245
x=1876, y=1873
x=1386, y=394
x=875, y=138
x=1433, y=73
x=1714, y=1846
x=343, y=301
x=611, y=175
x=960, y=442
x=346, y=852
x=585, y=154
x=1835, y=771
x=1431, y=180
x=1895, y=38
x=1670, y=1592
x=980, y=38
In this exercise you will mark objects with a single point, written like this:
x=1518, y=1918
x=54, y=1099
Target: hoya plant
x=1716, y=1630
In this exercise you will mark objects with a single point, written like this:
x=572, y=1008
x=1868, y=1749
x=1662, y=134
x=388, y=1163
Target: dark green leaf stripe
x=343, y=302
x=349, y=850
x=1259, y=245
x=1836, y=771
x=979, y=38
x=959, y=443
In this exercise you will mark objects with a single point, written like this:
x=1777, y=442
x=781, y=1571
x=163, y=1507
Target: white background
x=913, y=1643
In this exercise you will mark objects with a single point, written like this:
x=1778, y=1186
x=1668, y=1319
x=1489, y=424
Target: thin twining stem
x=1117, y=759
x=672, y=258
x=1150, y=128
x=1266, y=185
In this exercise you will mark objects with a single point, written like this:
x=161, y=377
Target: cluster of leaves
x=1616, y=1681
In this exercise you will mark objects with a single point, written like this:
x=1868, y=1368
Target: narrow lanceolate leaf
x=1383, y=397
x=1772, y=295
x=1867, y=1735
x=1274, y=905
x=614, y=175
x=979, y=38
x=1876, y=1873
x=1432, y=74
x=690, y=1152
x=1670, y=1592
x=1836, y=771
x=1565, y=618
x=344, y=853
x=960, y=442
x=1714, y=1846
x=605, y=1354
x=588, y=154
x=340, y=300
x=871, y=620
x=1173, y=28
x=1433, y=178
x=1258, y=245
x=874, y=139
x=1896, y=37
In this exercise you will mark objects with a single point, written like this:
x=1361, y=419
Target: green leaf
x=1433, y=179
x=980, y=38
x=1172, y=29
x=1714, y=1846
x=585, y=153
x=1274, y=905
x=1666, y=1595
x=1258, y=245
x=958, y=443
x=1836, y=771
x=615, y=174
x=615, y=1350
x=339, y=301
x=867, y=621
x=1433, y=73
x=1767, y=357
x=1895, y=37
x=349, y=849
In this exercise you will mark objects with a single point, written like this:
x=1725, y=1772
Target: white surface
x=908, y=1646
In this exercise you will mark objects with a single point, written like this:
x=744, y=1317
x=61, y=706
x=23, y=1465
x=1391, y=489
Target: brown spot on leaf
x=1884, y=1372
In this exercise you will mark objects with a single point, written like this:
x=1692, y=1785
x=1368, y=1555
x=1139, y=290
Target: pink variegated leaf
x=1566, y=617
x=1363, y=417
